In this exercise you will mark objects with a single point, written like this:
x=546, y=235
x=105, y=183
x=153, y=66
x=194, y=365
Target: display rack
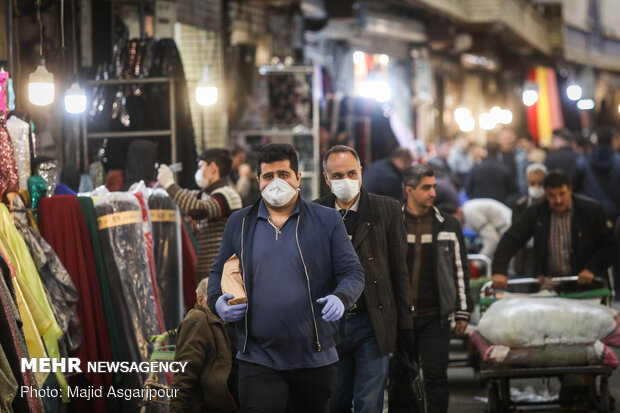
x=309, y=163
x=171, y=132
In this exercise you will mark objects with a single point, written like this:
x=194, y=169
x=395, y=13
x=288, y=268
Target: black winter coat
x=592, y=241
x=491, y=179
x=380, y=241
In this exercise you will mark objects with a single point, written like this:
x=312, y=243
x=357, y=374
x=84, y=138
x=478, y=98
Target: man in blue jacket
x=300, y=273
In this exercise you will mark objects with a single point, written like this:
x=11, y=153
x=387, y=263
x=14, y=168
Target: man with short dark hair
x=385, y=176
x=571, y=236
x=368, y=331
x=439, y=284
x=562, y=155
x=210, y=206
x=491, y=178
x=300, y=274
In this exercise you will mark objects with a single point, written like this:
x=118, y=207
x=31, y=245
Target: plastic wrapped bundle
x=166, y=224
x=124, y=249
x=547, y=332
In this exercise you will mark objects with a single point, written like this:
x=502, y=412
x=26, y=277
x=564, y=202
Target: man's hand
x=459, y=327
x=500, y=281
x=585, y=277
x=229, y=313
x=164, y=176
x=333, y=309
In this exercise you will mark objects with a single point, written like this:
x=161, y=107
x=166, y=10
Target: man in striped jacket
x=439, y=276
x=210, y=206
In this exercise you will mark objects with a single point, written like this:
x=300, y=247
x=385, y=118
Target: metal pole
x=173, y=123
x=142, y=36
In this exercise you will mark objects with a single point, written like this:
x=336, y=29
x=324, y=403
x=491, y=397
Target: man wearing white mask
x=368, y=330
x=534, y=177
x=300, y=273
x=210, y=206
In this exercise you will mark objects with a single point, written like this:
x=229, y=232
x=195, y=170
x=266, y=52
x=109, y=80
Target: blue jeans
x=362, y=372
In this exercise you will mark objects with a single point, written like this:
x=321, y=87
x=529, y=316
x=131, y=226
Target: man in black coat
x=491, y=178
x=562, y=155
x=368, y=331
x=385, y=177
x=571, y=236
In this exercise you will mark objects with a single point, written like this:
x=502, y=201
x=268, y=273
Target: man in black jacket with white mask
x=368, y=331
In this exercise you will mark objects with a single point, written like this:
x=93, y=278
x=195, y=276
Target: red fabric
x=190, y=259
x=62, y=224
x=532, y=114
x=149, y=249
x=614, y=338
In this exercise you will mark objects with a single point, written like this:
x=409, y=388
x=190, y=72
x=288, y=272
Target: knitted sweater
x=212, y=208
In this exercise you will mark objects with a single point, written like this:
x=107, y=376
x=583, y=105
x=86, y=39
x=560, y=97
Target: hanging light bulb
x=75, y=99
x=574, y=92
x=40, y=82
x=41, y=86
x=206, y=92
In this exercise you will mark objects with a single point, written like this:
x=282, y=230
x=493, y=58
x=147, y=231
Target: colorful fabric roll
x=31, y=286
x=62, y=224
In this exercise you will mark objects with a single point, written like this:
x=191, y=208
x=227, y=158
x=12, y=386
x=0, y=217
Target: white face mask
x=535, y=192
x=345, y=189
x=278, y=193
x=202, y=183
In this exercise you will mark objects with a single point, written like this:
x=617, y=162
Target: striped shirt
x=212, y=207
x=558, y=259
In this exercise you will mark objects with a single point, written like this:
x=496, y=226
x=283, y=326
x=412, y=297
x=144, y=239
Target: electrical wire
x=40, y=28
x=74, y=37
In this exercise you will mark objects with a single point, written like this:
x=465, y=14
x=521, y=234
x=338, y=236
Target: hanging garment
x=4, y=78
x=166, y=225
x=20, y=137
x=62, y=225
x=124, y=250
x=9, y=179
x=46, y=168
x=8, y=384
x=62, y=294
x=139, y=108
x=31, y=286
x=13, y=342
x=190, y=260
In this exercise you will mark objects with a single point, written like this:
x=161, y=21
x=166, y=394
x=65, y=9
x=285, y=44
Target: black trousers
x=264, y=390
x=430, y=350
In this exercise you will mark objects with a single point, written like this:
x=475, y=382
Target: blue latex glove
x=229, y=313
x=333, y=309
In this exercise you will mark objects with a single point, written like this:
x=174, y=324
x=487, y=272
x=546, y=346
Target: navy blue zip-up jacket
x=331, y=264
